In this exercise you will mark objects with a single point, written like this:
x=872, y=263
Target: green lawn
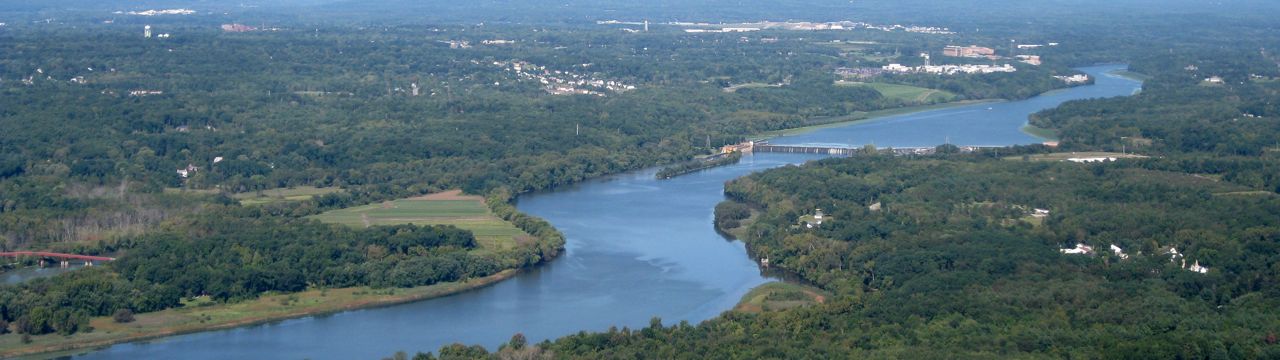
x=301, y=193
x=905, y=93
x=779, y=295
x=469, y=213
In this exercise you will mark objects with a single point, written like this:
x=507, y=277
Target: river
x=636, y=248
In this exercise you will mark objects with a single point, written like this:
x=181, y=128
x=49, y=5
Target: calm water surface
x=637, y=248
x=33, y=272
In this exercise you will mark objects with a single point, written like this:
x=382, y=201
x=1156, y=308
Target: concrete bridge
x=845, y=151
x=65, y=259
x=837, y=151
x=796, y=149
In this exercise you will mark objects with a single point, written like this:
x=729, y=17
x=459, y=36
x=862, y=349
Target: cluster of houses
x=559, y=82
x=860, y=72
x=31, y=79
x=1215, y=80
x=971, y=51
x=1095, y=159
x=464, y=44
x=1082, y=249
x=159, y=12
x=141, y=93
x=1075, y=78
x=1174, y=256
x=801, y=26
x=191, y=169
x=237, y=28
x=949, y=69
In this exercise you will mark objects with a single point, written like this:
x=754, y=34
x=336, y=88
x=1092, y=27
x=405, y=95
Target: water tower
x=146, y=31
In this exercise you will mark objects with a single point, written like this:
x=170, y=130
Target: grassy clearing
x=740, y=232
x=450, y=208
x=301, y=193
x=777, y=296
x=905, y=93
x=204, y=315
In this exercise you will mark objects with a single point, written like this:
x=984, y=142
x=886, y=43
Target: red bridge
x=43, y=254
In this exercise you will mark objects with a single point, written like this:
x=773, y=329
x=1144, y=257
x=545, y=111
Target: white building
x=1119, y=252
x=1091, y=159
x=1074, y=79
x=1197, y=268
x=1080, y=249
x=898, y=68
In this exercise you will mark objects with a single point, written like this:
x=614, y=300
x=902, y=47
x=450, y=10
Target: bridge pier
x=66, y=264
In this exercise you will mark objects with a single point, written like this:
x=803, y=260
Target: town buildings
x=1073, y=79
x=950, y=69
x=235, y=28
x=971, y=51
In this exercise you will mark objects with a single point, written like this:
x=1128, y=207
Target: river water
x=34, y=272
x=637, y=248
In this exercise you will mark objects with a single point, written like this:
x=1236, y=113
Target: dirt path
x=447, y=195
x=924, y=96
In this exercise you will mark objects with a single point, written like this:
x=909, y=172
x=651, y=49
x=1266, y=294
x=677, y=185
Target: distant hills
x=947, y=13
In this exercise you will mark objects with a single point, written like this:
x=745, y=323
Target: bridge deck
x=46, y=254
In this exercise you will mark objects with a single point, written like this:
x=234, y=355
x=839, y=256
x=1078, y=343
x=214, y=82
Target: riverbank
x=202, y=315
x=696, y=165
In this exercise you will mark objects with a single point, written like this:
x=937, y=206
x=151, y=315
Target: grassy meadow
x=450, y=208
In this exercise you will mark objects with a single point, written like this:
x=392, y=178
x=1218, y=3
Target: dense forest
x=136, y=147
x=119, y=144
x=336, y=108
x=957, y=265
x=232, y=253
x=984, y=254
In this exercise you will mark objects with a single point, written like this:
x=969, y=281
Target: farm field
x=447, y=208
x=905, y=93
